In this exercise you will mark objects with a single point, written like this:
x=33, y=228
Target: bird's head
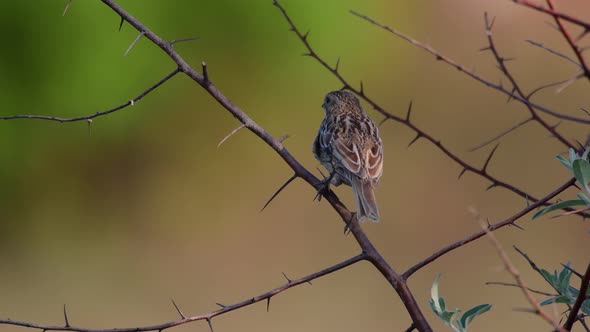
x=341, y=101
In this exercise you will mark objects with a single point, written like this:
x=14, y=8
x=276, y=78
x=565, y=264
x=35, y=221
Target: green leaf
x=565, y=162
x=573, y=155
x=434, y=293
x=558, y=206
x=581, y=169
x=586, y=152
x=585, y=198
x=557, y=299
x=470, y=315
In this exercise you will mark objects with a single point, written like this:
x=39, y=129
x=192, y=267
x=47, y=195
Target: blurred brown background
x=142, y=207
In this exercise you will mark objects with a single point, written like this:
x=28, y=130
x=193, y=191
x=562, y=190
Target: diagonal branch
x=554, y=13
x=582, y=296
x=206, y=316
x=495, y=182
x=517, y=277
x=570, y=41
x=369, y=250
x=470, y=73
x=508, y=221
x=516, y=87
x=97, y=114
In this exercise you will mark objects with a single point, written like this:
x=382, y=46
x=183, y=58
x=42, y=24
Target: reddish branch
x=582, y=296
x=568, y=37
x=554, y=13
x=206, y=316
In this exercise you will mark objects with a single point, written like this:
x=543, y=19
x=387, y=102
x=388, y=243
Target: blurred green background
x=117, y=218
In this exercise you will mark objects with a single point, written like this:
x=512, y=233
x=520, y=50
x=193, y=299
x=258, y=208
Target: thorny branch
x=570, y=40
x=516, y=88
x=517, y=277
x=369, y=252
x=582, y=296
x=508, y=221
x=89, y=118
x=206, y=316
x=406, y=121
x=470, y=73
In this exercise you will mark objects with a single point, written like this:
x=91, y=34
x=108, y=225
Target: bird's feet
x=323, y=186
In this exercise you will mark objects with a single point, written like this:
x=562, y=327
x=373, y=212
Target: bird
x=348, y=145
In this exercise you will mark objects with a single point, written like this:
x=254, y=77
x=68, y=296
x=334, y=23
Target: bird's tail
x=364, y=197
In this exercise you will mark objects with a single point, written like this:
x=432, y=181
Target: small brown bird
x=349, y=146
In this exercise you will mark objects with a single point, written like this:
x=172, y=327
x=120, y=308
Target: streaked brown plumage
x=349, y=146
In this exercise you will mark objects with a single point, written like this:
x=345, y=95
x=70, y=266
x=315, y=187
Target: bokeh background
x=117, y=218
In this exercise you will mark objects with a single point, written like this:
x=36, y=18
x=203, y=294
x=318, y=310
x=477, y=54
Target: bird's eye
x=328, y=101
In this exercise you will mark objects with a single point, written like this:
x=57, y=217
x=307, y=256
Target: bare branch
x=206, y=316
x=516, y=275
x=508, y=221
x=554, y=52
x=419, y=132
x=582, y=296
x=470, y=73
x=570, y=41
x=500, y=135
x=97, y=114
x=180, y=40
x=516, y=285
x=554, y=13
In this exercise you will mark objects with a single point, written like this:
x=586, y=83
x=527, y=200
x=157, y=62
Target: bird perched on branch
x=349, y=146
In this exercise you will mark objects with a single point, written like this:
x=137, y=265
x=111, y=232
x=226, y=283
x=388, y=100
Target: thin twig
x=97, y=114
x=516, y=285
x=554, y=52
x=516, y=275
x=500, y=135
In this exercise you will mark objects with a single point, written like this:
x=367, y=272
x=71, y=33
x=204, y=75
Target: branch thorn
x=67, y=6
x=230, y=134
x=484, y=169
x=418, y=135
x=288, y=280
x=279, y=190
x=337, y=65
x=178, y=309
x=210, y=325
x=205, y=71
x=268, y=304
x=134, y=42
x=409, y=111
x=462, y=172
x=121, y=23
x=66, y=317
